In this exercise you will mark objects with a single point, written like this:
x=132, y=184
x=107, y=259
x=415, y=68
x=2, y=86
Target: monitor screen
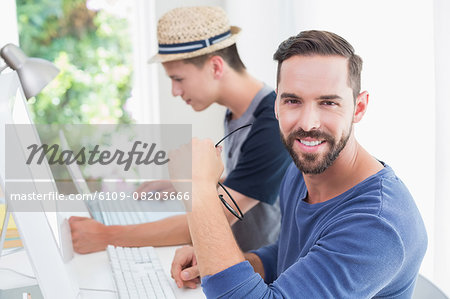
x=14, y=110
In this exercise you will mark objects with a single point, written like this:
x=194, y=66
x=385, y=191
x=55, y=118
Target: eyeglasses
x=238, y=214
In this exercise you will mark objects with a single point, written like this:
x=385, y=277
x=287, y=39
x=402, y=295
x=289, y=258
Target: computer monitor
x=73, y=169
x=14, y=110
x=10, y=95
x=53, y=275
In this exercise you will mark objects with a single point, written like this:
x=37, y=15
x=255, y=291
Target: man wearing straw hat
x=198, y=52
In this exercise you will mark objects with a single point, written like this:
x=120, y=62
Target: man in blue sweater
x=350, y=228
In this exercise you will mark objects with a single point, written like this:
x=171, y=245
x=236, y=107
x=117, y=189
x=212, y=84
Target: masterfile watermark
x=101, y=196
x=94, y=156
x=69, y=167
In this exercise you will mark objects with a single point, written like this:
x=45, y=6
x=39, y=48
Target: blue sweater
x=367, y=242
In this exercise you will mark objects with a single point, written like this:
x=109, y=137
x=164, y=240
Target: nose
x=309, y=118
x=176, y=89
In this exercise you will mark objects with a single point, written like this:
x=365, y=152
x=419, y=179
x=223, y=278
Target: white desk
x=91, y=270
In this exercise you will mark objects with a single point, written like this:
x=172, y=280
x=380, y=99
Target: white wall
x=442, y=158
x=9, y=35
x=262, y=32
x=143, y=104
x=8, y=23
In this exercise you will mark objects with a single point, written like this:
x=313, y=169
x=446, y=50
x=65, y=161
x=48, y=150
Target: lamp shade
x=34, y=73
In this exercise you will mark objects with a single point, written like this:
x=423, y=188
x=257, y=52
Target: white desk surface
x=91, y=270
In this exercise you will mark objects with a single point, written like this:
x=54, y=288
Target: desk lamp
x=34, y=73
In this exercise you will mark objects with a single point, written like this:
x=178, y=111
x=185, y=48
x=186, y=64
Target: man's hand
x=206, y=165
x=88, y=235
x=184, y=268
x=206, y=161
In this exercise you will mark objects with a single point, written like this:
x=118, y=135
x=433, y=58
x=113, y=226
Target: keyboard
x=125, y=212
x=138, y=273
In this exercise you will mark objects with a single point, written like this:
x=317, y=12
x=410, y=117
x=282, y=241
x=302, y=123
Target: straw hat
x=187, y=32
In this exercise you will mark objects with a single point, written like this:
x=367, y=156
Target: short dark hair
x=229, y=54
x=315, y=42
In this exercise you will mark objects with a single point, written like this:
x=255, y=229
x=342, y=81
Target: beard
x=314, y=163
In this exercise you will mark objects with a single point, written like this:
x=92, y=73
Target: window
x=90, y=42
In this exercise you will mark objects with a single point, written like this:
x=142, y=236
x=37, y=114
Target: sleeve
x=268, y=255
x=355, y=258
x=262, y=161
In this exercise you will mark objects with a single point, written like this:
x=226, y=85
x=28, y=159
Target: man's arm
x=184, y=269
x=328, y=269
x=213, y=240
x=212, y=237
x=88, y=235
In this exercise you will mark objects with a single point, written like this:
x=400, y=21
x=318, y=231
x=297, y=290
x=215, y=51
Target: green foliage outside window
x=93, y=51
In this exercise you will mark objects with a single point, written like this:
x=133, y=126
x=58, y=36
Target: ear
x=275, y=106
x=360, y=106
x=217, y=66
